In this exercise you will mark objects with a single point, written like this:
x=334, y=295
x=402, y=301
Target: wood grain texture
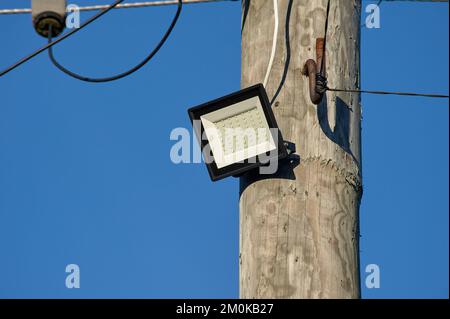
x=299, y=229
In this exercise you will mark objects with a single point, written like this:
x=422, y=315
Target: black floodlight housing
x=238, y=133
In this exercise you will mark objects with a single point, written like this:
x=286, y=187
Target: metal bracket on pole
x=316, y=73
x=291, y=149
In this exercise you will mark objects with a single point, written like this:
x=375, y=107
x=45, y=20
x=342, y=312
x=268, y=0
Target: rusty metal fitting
x=318, y=84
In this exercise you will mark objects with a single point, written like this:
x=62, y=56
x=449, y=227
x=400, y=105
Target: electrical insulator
x=46, y=13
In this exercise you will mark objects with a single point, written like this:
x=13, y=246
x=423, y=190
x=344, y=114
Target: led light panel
x=238, y=130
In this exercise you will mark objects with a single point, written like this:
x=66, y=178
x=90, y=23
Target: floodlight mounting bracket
x=290, y=147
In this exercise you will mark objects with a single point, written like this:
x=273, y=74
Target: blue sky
x=86, y=177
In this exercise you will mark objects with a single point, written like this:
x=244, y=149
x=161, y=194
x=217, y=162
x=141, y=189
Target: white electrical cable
x=274, y=44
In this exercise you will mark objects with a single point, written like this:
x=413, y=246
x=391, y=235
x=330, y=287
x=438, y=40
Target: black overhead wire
x=123, y=74
x=65, y=36
x=245, y=9
x=288, y=52
x=117, y=2
x=322, y=68
x=323, y=82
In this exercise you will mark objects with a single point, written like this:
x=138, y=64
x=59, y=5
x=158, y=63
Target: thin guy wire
x=120, y=6
x=321, y=72
x=440, y=96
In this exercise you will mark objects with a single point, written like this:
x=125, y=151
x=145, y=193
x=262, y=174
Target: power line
x=322, y=63
x=65, y=36
x=120, y=6
x=439, y=96
x=124, y=74
x=161, y=3
x=322, y=86
x=104, y=9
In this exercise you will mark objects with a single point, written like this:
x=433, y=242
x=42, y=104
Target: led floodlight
x=237, y=133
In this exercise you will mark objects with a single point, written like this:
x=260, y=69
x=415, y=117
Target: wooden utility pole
x=299, y=229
